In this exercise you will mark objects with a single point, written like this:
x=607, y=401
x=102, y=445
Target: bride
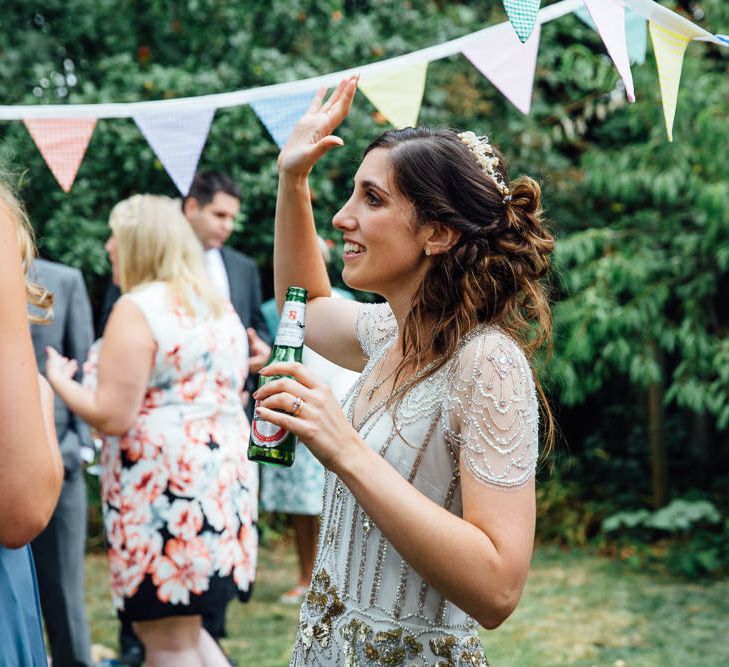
x=429, y=505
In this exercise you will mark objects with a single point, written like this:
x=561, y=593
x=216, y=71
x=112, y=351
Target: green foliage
x=692, y=536
x=642, y=260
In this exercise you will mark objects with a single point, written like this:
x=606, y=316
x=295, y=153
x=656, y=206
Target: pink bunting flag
x=609, y=18
x=62, y=142
x=507, y=63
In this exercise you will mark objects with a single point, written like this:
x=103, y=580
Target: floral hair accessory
x=484, y=154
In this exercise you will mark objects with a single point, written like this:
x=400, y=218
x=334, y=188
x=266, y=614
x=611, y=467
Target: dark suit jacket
x=245, y=290
x=71, y=332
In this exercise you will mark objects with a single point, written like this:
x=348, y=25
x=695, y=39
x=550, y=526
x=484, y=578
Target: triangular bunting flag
x=397, y=94
x=669, y=48
x=609, y=17
x=523, y=16
x=62, y=142
x=507, y=63
x=279, y=114
x=177, y=139
x=636, y=33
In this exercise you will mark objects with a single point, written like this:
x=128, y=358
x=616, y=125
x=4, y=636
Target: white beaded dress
x=366, y=606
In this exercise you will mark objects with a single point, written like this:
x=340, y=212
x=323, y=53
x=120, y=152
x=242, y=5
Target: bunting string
x=505, y=53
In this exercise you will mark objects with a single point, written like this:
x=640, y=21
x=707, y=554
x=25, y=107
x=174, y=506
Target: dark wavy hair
x=495, y=271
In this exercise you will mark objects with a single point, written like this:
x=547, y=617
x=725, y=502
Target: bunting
x=279, y=114
x=523, y=16
x=508, y=63
x=177, y=129
x=609, y=17
x=669, y=48
x=177, y=140
x=62, y=142
x=397, y=94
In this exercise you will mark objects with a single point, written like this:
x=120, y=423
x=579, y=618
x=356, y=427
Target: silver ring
x=296, y=407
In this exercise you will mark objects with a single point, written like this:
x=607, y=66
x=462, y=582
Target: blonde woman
x=31, y=471
x=177, y=490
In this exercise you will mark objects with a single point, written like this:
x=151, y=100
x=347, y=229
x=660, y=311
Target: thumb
x=325, y=144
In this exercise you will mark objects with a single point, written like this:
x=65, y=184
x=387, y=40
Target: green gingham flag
x=523, y=16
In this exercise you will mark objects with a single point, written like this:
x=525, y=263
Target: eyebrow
x=371, y=184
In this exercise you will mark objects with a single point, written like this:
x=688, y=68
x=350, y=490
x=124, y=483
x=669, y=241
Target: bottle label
x=291, y=328
x=266, y=434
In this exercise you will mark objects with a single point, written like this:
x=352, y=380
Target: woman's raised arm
x=330, y=326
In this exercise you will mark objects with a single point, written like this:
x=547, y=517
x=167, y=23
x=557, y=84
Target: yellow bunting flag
x=669, y=48
x=398, y=93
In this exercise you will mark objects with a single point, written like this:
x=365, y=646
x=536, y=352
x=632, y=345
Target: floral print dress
x=178, y=492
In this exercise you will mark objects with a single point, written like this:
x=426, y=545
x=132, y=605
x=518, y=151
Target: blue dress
x=21, y=633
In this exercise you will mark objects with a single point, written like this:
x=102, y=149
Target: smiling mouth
x=351, y=248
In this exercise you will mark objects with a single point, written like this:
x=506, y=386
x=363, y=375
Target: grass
x=578, y=610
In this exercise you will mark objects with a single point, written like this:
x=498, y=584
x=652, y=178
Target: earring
x=427, y=252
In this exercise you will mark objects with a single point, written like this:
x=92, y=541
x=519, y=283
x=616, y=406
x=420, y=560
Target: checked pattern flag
x=523, y=16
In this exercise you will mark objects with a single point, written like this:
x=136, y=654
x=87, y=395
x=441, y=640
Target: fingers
x=317, y=100
x=343, y=91
x=283, y=385
x=282, y=419
x=284, y=401
x=296, y=370
x=335, y=96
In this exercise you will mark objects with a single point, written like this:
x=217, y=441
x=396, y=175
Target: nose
x=344, y=218
x=108, y=245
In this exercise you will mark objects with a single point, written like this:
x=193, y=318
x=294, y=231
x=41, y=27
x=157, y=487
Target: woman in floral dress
x=178, y=491
x=429, y=502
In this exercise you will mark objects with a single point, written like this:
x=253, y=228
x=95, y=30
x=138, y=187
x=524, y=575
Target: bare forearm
x=86, y=404
x=32, y=470
x=296, y=256
x=454, y=556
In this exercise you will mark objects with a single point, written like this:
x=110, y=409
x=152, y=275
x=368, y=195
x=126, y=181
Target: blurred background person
x=31, y=472
x=59, y=550
x=297, y=491
x=177, y=489
x=211, y=207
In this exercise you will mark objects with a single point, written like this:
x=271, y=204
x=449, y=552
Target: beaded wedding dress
x=366, y=606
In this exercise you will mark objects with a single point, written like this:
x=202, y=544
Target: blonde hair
x=35, y=294
x=156, y=243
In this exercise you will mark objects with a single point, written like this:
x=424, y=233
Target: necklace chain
x=378, y=383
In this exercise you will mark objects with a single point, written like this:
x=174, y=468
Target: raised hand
x=312, y=136
x=59, y=367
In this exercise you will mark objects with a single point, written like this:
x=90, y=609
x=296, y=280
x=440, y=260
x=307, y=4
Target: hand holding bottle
x=304, y=405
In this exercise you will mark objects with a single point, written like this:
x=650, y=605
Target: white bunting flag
x=609, y=17
x=177, y=139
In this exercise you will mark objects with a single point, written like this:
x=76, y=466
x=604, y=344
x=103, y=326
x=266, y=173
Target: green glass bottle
x=270, y=443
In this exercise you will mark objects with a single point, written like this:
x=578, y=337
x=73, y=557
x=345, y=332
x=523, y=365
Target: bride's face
x=383, y=246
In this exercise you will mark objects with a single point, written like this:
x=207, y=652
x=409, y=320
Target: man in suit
x=211, y=207
x=59, y=549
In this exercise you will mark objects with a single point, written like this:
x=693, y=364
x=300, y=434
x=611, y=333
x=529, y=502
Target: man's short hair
x=207, y=184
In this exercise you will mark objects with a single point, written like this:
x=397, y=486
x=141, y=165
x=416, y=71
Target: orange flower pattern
x=178, y=492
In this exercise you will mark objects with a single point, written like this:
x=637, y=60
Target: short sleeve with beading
x=376, y=325
x=491, y=415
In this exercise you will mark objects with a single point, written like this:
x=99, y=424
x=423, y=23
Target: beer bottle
x=270, y=443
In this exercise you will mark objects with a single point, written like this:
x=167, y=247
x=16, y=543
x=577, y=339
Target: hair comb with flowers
x=484, y=154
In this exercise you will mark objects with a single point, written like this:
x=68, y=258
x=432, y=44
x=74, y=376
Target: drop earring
x=427, y=252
